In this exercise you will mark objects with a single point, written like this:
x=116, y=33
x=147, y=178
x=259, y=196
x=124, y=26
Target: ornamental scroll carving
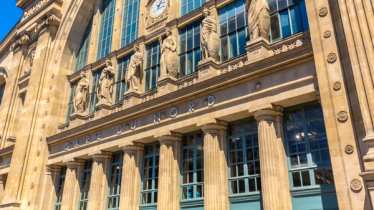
x=134, y=71
x=81, y=94
x=106, y=82
x=169, y=59
x=259, y=19
x=210, y=41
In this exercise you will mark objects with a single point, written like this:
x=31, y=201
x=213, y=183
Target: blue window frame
x=2, y=90
x=121, y=86
x=130, y=20
x=106, y=31
x=150, y=174
x=233, y=29
x=93, y=95
x=244, y=163
x=287, y=17
x=188, y=6
x=152, y=69
x=190, y=52
x=81, y=56
x=308, y=154
x=192, y=167
x=115, y=182
x=85, y=185
x=60, y=188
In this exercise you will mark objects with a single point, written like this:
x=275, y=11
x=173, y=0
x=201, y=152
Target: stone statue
x=134, y=70
x=209, y=37
x=81, y=94
x=169, y=59
x=105, y=87
x=259, y=19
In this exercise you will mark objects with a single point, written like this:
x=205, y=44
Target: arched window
x=81, y=55
x=3, y=76
x=287, y=17
x=130, y=21
x=106, y=31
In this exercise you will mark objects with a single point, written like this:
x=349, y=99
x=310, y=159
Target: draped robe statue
x=259, y=19
x=169, y=58
x=105, y=87
x=81, y=94
x=134, y=70
x=209, y=37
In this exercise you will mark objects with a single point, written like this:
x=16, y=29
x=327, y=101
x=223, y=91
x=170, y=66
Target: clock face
x=158, y=7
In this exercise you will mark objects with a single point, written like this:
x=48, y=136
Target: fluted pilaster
x=71, y=185
x=53, y=173
x=2, y=186
x=274, y=172
x=169, y=173
x=215, y=167
x=131, y=177
x=99, y=182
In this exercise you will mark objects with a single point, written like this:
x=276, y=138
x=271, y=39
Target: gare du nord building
x=188, y=104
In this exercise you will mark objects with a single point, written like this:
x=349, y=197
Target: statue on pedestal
x=134, y=70
x=81, y=94
x=169, y=59
x=105, y=87
x=210, y=41
x=259, y=19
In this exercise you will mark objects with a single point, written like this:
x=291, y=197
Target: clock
x=158, y=7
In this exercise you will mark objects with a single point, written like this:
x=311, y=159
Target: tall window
x=121, y=85
x=130, y=21
x=85, y=185
x=190, y=52
x=81, y=56
x=244, y=160
x=115, y=182
x=71, y=110
x=233, y=30
x=93, y=94
x=308, y=153
x=2, y=90
x=60, y=188
x=152, y=69
x=192, y=167
x=106, y=31
x=190, y=5
x=150, y=174
x=287, y=17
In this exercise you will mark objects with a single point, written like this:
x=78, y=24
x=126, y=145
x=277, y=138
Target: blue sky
x=9, y=16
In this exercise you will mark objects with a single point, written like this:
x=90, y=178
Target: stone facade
x=137, y=133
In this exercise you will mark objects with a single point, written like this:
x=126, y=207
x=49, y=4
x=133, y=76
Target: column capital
x=214, y=127
x=268, y=114
x=102, y=155
x=132, y=147
x=75, y=163
x=170, y=138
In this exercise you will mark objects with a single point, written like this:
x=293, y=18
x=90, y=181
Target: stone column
x=53, y=173
x=71, y=186
x=131, y=177
x=215, y=167
x=274, y=171
x=169, y=173
x=99, y=182
x=2, y=186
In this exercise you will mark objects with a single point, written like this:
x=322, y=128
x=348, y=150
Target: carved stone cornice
x=38, y=6
x=24, y=38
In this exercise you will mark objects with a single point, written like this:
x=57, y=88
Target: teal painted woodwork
x=246, y=202
x=326, y=201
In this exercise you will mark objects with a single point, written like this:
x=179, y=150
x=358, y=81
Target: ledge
x=234, y=72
